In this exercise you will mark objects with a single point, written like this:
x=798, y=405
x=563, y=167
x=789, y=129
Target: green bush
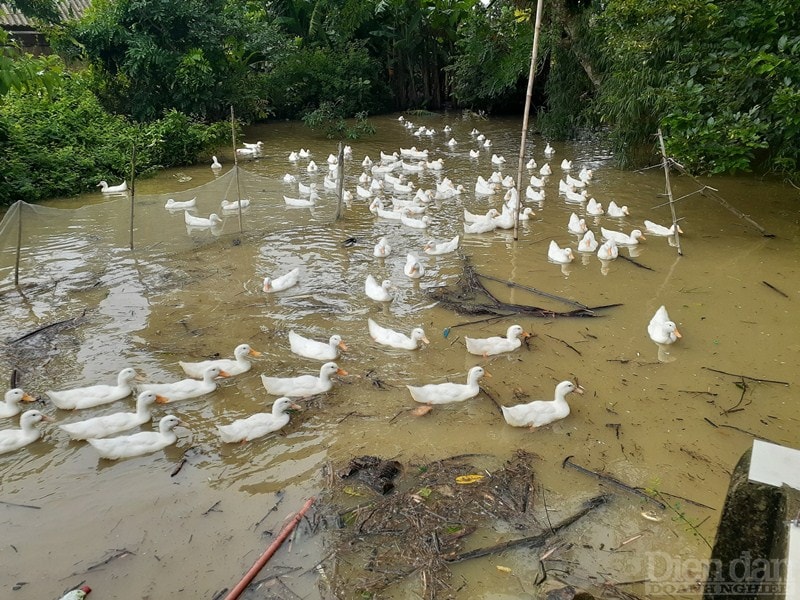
x=306, y=79
x=64, y=143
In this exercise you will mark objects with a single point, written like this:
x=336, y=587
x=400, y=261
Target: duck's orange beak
x=28, y=398
x=161, y=399
x=579, y=389
x=255, y=353
x=677, y=333
x=295, y=407
x=341, y=371
x=486, y=373
x=425, y=339
x=224, y=374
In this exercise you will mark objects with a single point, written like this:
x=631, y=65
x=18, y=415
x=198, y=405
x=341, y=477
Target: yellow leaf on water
x=351, y=491
x=503, y=569
x=466, y=479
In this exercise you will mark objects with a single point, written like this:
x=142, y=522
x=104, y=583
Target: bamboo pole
x=528, y=98
x=665, y=162
x=273, y=547
x=19, y=243
x=133, y=187
x=236, y=168
x=340, y=181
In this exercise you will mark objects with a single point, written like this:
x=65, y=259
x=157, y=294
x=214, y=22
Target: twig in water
x=178, y=467
x=638, y=264
x=565, y=343
x=746, y=376
x=492, y=398
x=119, y=554
x=772, y=287
x=213, y=508
x=19, y=505
x=616, y=482
x=45, y=328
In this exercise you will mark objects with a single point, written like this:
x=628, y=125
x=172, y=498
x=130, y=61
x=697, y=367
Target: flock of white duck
x=377, y=180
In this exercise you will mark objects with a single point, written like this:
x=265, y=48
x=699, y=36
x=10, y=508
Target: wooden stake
x=340, y=181
x=528, y=97
x=133, y=187
x=236, y=168
x=665, y=162
x=19, y=243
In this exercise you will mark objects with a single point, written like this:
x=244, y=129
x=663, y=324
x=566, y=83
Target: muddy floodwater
x=189, y=520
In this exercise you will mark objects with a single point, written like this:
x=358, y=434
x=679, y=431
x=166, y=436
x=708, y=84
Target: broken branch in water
x=533, y=290
x=46, y=327
x=533, y=540
x=616, y=482
x=638, y=264
x=566, y=344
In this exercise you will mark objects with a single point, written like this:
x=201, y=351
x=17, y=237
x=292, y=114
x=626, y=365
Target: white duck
x=382, y=248
x=657, y=229
x=558, y=254
x=534, y=195
x=577, y=225
x=283, y=282
x=527, y=214
x=259, y=424
x=94, y=395
x=594, y=208
x=187, y=388
x=566, y=165
x=498, y=159
x=237, y=365
x=289, y=178
x=293, y=156
x=231, y=206
x=14, y=439
x=309, y=348
x=379, y=293
x=395, y=339
x=585, y=175
x=473, y=218
x=215, y=164
x=99, y=427
x=575, y=196
x=413, y=268
x=537, y=182
x=474, y=153
x=173, y=204
x=137, y=444
x=306, y=189
x=409, y=221
x=303, y=385
x=578, y=184
x=10, y=406
x=301, y=202
x=113, y=189
x=445, y=393
x=545, y=170
x=312, y=167
x=549, y=150
x=588, y=242
x=497, y=344
x=483, y=187
x=617, y=211
x=541, y=412
x=623, y=239
x=661, y=329
x=608, y=251
x=480, y=226
x=303, y=153
x=531, y=164
x=433, y=248
x=367, y=162
x=212, y=220
x=257, y=146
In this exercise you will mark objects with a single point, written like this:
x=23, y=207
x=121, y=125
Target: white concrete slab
x=793, y=563
x=775, y=465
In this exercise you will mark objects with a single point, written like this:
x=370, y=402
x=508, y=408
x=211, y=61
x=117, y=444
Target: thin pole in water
x=236, y=168
x=665, y=162
x=19, y=243
x=340, y=180
x=528, y=97
x=133, y=186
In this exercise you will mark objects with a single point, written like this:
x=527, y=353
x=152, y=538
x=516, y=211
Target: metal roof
x=67, y=9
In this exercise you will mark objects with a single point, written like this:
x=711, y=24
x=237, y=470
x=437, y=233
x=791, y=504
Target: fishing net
x=40, y=244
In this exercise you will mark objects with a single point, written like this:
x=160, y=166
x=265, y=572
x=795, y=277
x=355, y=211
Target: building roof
x=67, y=9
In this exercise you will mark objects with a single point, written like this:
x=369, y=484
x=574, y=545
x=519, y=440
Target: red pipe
x=273, y=547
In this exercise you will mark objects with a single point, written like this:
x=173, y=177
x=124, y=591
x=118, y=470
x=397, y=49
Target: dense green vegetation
x=720, y=80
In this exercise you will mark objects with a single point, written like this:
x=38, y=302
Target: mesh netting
x=47, y=242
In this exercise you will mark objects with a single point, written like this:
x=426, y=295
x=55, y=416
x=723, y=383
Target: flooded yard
x=188, y=521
